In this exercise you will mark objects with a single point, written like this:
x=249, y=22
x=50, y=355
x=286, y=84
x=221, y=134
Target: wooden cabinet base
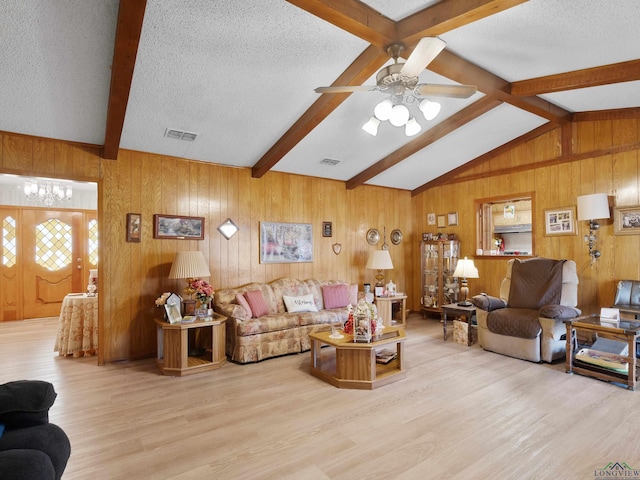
x=189, y=348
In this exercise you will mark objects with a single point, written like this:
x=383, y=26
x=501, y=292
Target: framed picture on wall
x=452, y=218
x=327, y=229
x=134, y=227
x=441, y=221
x=431, y=218
x=626, y=220
x=560, y=221
x=178, y=227
x=286, y=242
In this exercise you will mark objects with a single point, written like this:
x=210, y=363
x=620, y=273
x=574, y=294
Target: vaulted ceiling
x=241, y=75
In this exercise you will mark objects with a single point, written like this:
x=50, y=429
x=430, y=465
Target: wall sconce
x=593, y=207
x=228, y=229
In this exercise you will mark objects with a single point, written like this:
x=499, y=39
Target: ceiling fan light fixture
x=430, y=109
x=412, y=127
x=371, y=127
x=399, y=115
x=382, y=110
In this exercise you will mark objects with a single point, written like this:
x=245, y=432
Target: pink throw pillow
x=335, y=296
x=257, y=303
x=243, y=302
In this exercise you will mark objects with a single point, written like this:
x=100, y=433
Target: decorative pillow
x=243, y=302
x=558, y=311
x=336, y=296
x=303, y=303
x=353, y=294
x=256, y=302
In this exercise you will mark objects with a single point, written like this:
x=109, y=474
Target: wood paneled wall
x=555, y=184
x=132, y=275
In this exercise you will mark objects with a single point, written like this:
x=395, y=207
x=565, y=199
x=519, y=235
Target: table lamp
x=189, y=265
x=379, y=260
x=465, y=269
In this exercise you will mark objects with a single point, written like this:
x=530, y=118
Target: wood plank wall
x=556, y=184
x=132, y=275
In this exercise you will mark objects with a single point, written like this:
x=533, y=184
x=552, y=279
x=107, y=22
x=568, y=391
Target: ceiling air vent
x=330, y=161
x=180, y=135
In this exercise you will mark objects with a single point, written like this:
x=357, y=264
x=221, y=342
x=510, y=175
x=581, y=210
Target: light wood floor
x=461, y=413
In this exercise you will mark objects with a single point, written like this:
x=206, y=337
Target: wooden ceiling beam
x=448, y=15
x=587, y=77
x=449, y=176
x=432, y=135
x=354, y=17
x=362, y=68
x=128, y=30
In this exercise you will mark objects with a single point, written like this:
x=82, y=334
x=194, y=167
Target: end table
x=458, y=311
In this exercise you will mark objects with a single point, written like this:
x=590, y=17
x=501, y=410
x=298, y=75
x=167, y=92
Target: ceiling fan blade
x=452, y=91
x=347, y=89
x=427, y=49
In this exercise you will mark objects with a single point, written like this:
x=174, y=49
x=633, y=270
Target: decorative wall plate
x=373, y=236
x=396, y=236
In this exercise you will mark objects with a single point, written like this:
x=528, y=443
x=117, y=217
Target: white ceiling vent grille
x=330, y=161
x=180, y=135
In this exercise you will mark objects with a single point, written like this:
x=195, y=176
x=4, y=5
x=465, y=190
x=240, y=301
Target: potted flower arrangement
x=203, y=292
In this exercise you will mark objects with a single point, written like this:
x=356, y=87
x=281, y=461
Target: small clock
x=373, y=236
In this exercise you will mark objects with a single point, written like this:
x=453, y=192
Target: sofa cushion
x=514, y=322
x=269, y=323
x=303, y=303
x=257, y=303
x=335, y=296
x=243, y=303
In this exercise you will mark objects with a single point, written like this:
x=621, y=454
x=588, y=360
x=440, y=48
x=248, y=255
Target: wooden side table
x=384, y=309
x=458, y=311
x=188, y=348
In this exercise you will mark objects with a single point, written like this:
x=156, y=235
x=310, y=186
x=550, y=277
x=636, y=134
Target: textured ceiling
x=241, y=74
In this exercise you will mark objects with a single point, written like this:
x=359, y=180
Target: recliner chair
x=30, y=447
x=526, y=320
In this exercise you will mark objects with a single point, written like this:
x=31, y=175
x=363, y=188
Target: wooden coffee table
x=353, y=365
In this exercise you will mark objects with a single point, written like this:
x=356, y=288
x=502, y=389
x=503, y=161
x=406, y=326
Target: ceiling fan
x=400, y=81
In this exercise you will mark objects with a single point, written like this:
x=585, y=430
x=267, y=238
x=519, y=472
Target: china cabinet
x=438, y=285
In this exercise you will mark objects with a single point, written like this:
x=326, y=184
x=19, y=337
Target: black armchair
x=30, y=447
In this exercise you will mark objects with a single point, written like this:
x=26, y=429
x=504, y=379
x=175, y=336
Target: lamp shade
x=189, y=265
x=466, y=269
x=379, y=260
x=593, y=207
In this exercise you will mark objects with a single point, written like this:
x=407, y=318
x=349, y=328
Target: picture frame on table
x=134, y=227
x=560, y=221
x=173, y=312
x=178, y=227
x=626, y=220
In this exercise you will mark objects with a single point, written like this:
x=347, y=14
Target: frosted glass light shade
x=371, y=127
x=399, y=115
x=430, y=109
x=382, y=110
x=412, y=127
x=228, y=229
x=593, y=207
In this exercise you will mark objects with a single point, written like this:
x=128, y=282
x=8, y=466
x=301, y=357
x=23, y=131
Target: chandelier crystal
x=47, y=192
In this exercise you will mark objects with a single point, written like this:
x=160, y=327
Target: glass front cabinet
x=439, y=259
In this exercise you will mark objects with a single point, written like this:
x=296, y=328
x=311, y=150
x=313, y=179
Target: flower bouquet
x=203, y=292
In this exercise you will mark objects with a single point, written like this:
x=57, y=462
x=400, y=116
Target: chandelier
x=396, y=110
x=47, y=192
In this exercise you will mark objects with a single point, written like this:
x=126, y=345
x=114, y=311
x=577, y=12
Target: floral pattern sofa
x=278, y=332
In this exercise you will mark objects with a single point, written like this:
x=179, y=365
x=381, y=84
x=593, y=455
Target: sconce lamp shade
x=379, y=260
x=593, y=207
x=189, y=265
x=466, y=269
x=228, y=229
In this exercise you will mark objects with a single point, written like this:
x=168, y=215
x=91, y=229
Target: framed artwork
x=452, y=218
x=178, y=227
x=560, y=221
x=441, y=221
x=431, y=218
x=626, y=220
x=286, y=242
x=134, y=226
x=327, y=229
x=173, y=312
